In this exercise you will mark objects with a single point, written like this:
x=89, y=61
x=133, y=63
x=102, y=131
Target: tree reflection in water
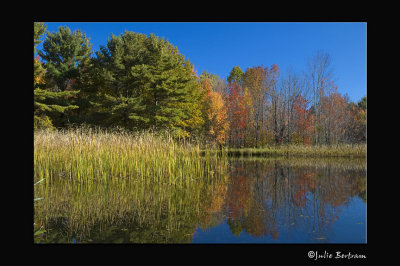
x=257, y=198
x=265, y=198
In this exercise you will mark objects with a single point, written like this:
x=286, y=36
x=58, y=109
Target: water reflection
x=271, y=201
x=265, y=199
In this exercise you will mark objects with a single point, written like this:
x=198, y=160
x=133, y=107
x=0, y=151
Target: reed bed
x=86, y=155
x=97, y=178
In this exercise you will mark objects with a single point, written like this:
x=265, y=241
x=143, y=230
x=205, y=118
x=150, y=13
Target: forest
x=140, y=83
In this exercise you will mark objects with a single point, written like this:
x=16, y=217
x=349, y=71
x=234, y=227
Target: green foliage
x=42, y=122
x=210, y=77
x=65, y=56
x=146, y=83
x=38, y=70
x=363, y=103
x=235, y=75
x=356, y=129
x=64, y=53
x=39, y=29
x=50, y=104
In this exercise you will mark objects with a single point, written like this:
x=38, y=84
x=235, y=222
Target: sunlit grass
x=94, y=177
x=85, y=155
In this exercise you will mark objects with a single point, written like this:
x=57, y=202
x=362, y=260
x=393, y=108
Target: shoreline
x=347, y=151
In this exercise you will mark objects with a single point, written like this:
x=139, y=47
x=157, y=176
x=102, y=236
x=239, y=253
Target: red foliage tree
x=238, y=113
x=303, y=120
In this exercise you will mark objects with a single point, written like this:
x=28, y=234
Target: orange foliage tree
x=217, y=124
x=333, y=115
x=238, y=104
x=303, y=121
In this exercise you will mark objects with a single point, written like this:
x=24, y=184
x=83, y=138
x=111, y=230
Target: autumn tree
x=260, y=83
x=303, y=121
x=355, y=128
x=255, y=80
x=217, y=124
x=332, y=115
x=238, y=104
x=361, y=119
x=217, y=84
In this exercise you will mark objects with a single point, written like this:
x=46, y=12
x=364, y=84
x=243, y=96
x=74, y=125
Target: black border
x=196, y=252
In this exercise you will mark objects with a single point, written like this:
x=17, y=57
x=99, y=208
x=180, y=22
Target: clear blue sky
x=218, y=46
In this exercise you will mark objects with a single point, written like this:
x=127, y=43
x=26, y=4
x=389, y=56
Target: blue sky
x=218, y=46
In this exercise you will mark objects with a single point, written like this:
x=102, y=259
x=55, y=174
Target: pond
x=253, y=200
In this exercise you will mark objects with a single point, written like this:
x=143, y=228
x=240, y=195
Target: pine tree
x=147, y=83
x=236, y=75
x=39, y=29
x=46, y=102
x=65, y=55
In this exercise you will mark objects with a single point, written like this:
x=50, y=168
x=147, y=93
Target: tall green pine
x=147, y=83
x=65, y=54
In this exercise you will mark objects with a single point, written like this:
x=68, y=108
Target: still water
x=254, y=201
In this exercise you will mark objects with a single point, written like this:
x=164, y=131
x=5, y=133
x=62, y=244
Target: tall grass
x=94, y=177
x=85, y=155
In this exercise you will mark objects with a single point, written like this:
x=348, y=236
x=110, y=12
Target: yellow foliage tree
x=217, y=117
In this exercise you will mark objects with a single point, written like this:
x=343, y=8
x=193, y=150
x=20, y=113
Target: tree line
x=141, y=82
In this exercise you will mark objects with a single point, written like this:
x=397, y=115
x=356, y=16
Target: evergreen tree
x=363, y=103
x=65, y=56
x=236, y=75
x=147, y=83
x=39, y=29
x=45, y=102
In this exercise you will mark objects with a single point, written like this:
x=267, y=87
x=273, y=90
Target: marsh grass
x=87, y=155
x=97, y=178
